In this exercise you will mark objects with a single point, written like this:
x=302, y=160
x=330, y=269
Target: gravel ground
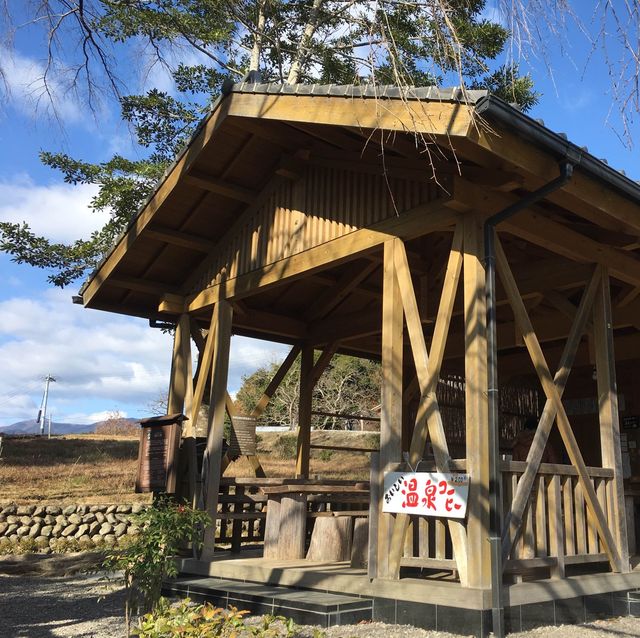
x=81, y=606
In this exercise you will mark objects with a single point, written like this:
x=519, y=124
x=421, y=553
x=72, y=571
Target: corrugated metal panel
x=325, y=204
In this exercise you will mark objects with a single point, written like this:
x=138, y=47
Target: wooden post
x=609, y=418
x=477, y=416
x=180, y=400
x=222, y=319
x=304, y=412
x=180, y=367
x=391, y=394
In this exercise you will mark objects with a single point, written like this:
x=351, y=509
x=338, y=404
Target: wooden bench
x=288, y=513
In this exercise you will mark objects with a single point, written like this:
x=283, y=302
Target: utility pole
x=42, y=413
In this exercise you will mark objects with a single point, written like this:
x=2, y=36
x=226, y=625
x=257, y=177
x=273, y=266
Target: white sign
x=426, y=494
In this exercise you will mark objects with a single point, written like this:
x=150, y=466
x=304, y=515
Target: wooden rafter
x=550, y=390
x=422, y=116
x=551, y=235
x=581, y=194
x=333, y=297
x=220, y=186
x=156, y=288
x=179, y=238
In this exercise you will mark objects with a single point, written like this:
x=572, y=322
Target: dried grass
x=102, y=469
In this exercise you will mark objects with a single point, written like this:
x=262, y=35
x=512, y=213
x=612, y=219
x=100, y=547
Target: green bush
x=325, y=455
x=148, y=558
x=191, y=620
x=286, y=446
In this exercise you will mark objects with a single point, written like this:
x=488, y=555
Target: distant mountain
x=31, y=427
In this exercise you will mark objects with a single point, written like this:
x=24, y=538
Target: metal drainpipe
x=495, y=523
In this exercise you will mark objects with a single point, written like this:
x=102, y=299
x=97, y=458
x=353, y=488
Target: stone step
x=305, y=607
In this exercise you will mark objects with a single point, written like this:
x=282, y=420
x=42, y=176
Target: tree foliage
x=205, y=42
x=349, y=385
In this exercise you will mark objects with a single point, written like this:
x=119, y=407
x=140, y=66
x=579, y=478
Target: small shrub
x=149, y=557
x=185, y=618
x=325, y=455
x=286, y=447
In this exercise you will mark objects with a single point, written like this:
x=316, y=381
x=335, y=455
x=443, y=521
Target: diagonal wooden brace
x=550, y=390
x=429, y=420
x=513, y=522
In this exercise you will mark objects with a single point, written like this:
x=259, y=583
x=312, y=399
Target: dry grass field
x=102, y=469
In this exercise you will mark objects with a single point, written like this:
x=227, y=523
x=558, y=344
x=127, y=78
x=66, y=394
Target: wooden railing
x=428, y=541
x=242, y=506
x=241, y=514
x=557, y=527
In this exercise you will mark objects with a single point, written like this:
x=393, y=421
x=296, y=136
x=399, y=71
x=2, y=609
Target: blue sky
x=104, y=362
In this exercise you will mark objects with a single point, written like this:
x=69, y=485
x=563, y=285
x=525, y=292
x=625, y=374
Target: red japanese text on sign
x=426, y=493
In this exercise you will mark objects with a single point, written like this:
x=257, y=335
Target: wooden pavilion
x=354, y=220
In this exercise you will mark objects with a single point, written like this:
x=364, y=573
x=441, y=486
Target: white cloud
x=29, y=93
x=101, y=361
x=60, y=212
x=94, y=356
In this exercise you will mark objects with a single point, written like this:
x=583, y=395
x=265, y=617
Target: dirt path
x=81, y=606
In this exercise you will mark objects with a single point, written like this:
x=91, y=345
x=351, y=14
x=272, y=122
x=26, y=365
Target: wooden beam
x=323, y=361
x=270, y=390
x=609, y=416
x=220, y=186
x=476, y=414
x=514, y=518
x=333, y=297
x=304, y=412
x=419, y=116
x=157, y=288
x=542, y=231
x=568, y=243
x=418, y=221
x=391, y=392
x=222, y=321
x=353, y=325
x=551, y=392
x=179, y=238
x=272, y=323
x=202, y=372
x=180, y=401
x=180, y=367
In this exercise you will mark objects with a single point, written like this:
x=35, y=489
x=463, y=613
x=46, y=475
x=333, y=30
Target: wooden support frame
x=608, y=415
x=310, y=373
x=418, y=221
x=221, y=322
x=391, y=395
x=270, y=390
x=304, y=412
x=550, y=390
x=180, y=400
x=514, y=518
x=477, y=409
x=428, y=365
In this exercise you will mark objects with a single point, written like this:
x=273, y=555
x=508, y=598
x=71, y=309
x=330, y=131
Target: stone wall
x=47, y=528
